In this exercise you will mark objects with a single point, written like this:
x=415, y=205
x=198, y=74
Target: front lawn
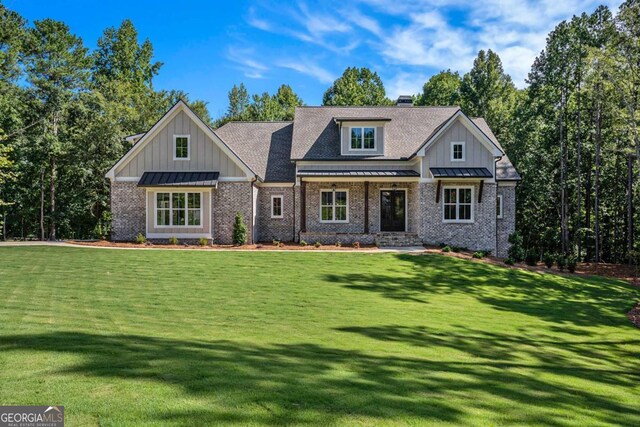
x=123, y=337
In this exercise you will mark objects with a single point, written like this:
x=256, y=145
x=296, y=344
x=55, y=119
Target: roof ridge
x=379, y=106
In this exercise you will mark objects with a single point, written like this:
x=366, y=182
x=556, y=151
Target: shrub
x=516, y=251
x=478, y=255
x=173, y=240
x=239, y=230
x=456, y=249
x=203, y=241
x=141, y=239
x=532, y=258
x=486, y=252
x=281, y=244
x=338, y=244
x=548, y=259
x=317, y=244
x=441, y=245
x=303, y=243
x=572, y=263
x=356, y=245
x=509, y=261
x=561, y=261
x=446, y=249
x=275, y=242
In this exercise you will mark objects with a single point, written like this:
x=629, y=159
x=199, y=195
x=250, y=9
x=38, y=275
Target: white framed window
x=457, y=204
x=178, y=209
x=499, y=206
x=458, y=151
x=181, y=147
x=334, y=205
x=276, y=206
x=363, y=138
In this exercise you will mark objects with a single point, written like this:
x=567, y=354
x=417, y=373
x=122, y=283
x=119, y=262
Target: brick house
x=397, y=175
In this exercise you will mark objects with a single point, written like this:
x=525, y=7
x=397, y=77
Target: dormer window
x=363, y=138
x=457, y=151
x=181, y=147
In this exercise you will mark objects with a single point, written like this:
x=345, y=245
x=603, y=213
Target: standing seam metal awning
x=179, y=179
x=359, y=173
x=461, y=173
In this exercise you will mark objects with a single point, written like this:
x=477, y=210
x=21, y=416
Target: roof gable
x=180, y=106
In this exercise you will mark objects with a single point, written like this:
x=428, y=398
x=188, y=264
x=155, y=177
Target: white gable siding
x=439, y=154
x=157, y=154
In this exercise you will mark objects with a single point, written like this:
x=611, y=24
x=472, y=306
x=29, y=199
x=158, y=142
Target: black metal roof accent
x=179, y=179
x=461, y=173
x=357, y=173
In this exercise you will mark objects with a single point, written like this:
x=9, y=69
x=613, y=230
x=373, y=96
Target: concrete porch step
x=397, y=239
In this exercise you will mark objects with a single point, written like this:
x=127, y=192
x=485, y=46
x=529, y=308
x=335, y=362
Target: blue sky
x=208, y=46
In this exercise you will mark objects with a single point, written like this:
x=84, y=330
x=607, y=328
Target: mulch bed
x=264, y=246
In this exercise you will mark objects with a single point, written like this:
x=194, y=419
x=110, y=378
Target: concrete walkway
x=409, y=249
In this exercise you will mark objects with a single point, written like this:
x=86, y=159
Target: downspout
x=495, y=215
x=293, y=193
x=254, y=216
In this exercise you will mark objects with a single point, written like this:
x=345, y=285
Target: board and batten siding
x=346, y=139
x=439, y=154
x=205, y=205
x=157, y=155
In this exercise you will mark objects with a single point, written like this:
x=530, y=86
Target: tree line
x=572, y=132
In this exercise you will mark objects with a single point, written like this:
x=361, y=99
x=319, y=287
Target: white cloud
x=309, y=68
x=405, y=84
x=245, y=62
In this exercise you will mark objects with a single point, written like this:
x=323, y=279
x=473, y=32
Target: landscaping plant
x=141, y=239
x=239, y=230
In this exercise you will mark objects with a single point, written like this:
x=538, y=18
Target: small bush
x=239, y=230
x=275, y=242
x=303, y=243
x=338, y=244
x=317, y=244
x=281, y=244
x=441, y=245
x=572, y=263
x=516, y=251
x=478, y=255
x=548, y=259
x=141, y=239
x=446, y=249
x=532, y=258
x=509, y=261
x=561, y=261
x=203, y=241
x=356, y=245
x=173, y=240
x=456, y=249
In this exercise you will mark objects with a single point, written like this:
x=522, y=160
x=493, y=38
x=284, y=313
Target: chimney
x=404, y=101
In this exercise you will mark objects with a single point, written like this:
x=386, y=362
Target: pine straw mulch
x=260, y=246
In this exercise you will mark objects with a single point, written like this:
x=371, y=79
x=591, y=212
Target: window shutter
x=380, y=139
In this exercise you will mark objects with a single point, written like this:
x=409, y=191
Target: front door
x=392, y=210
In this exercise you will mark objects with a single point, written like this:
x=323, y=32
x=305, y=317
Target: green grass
x=123, y=337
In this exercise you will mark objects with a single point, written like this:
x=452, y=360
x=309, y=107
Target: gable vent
x=404, y=101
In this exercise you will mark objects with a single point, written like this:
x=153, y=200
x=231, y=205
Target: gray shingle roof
x=316, y=137
x=264, y=146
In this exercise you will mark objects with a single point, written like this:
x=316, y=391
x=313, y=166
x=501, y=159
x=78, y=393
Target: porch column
x=366, y=207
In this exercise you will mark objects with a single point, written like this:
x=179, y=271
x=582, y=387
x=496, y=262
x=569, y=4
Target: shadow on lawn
x=304, y=383
x=582, y=301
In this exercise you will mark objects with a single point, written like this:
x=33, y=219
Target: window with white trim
x=276, y=206
x=334, y=205
x=181, y=147
x=499, y=206
x=457, y=204
x=457, y=151
x=178, y=209
x=363, y=138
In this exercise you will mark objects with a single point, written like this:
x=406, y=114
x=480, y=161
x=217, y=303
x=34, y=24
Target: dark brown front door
x=392, y=210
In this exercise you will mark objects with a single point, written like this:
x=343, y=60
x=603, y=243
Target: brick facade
x=226, y=200
x=128, y=209
x=506, y=224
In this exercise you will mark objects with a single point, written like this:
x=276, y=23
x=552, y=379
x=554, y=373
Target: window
x=499, y=206
x=457, y=151
x=363, y=138
x=276, y=206
x=178, y=209
x=181, y=147
x=458, y=204
x=334, y=206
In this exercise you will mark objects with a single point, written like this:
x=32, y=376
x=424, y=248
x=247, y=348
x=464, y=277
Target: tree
x=239, y=230
x=356, y=86
x=287, y=101
x=57, y=68
x=239, y=102
x=441, y=89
